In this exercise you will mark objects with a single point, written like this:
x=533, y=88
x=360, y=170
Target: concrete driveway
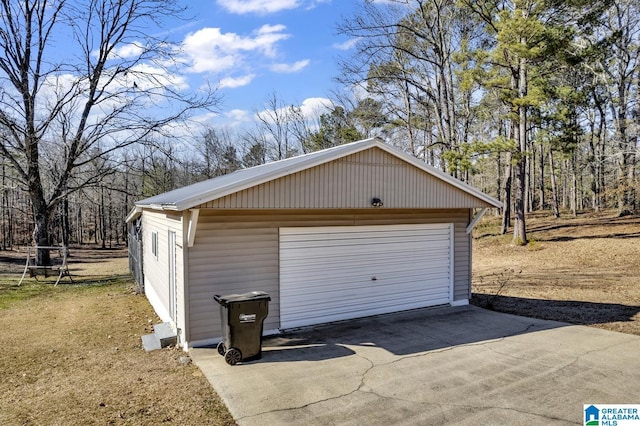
x=460, y=365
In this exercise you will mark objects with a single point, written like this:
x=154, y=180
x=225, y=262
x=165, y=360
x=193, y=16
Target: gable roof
x=198, y=193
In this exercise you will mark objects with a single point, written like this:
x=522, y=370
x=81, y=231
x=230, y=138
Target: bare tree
x=620, y=72
x=276, y=121
x=112, y=87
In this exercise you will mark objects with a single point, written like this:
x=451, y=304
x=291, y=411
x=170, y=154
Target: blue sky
x=254, y=48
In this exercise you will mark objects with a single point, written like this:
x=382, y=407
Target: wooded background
x=534, y=102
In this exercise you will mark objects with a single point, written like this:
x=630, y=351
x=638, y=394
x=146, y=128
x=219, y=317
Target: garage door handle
x=374, y=279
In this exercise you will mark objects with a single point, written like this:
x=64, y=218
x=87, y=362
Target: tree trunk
x=66, y=225
x=41, y=237
x=601, y=173
x=520, y=228
x=528, y=181
x=542, y=201
x=626, y=167
x=103, y=222
x=41, y=217
x=506, y=196
x=593, y=166
x=79, y=226
x=574, y=185
x=554, y=188
x=5, y=208
x=499, y=181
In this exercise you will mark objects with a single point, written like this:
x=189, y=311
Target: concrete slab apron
x=450, y=365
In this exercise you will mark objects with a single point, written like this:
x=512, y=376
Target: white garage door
x=336, y=273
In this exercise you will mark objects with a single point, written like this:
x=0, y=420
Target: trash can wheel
x=221, y=348
x=233, y=356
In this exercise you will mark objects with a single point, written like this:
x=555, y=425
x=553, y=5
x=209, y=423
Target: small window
x=154, y=244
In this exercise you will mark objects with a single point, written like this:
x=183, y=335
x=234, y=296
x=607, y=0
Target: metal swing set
x=57, y=267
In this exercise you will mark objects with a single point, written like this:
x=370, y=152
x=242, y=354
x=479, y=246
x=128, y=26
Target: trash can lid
x=244, y=297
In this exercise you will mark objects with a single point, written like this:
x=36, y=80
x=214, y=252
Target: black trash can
x=242, y=316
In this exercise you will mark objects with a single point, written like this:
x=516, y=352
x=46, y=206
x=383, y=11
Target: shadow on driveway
x=403, y=333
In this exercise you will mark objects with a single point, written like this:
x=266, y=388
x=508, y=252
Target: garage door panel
x=353, y=297
x=363, y=239
x=389, y=283
x=310, y=256
x=326, y=272
x=372, y=247
x=337, y=263
x=339, y=312
x=302, y=234
x=316, y=275
x=339, y=305
x=349, y=298
x=354, y=237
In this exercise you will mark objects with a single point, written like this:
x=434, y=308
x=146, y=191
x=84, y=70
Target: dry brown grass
x=582, y=270
x=72, y=355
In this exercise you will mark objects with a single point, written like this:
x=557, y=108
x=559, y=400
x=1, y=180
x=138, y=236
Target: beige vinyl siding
x=237, y=251
x=462, y=262
x=157, y=268
x=349, y=183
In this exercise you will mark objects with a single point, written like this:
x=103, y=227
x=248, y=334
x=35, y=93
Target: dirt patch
x=582, y=270
x=83, y=261
x=72, y=354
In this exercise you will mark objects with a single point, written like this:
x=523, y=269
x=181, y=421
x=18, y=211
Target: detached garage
x=352, y=231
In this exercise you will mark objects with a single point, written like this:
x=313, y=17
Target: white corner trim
x=476, y=219
x=193, y=225
x=463, y=302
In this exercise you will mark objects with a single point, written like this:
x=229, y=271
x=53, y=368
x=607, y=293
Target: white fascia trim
x=463, y=302
x=475, y=220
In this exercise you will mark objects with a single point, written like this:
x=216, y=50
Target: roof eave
x=135, y=212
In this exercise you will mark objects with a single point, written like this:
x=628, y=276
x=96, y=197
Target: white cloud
x=261, y=7
x=313, y=107
x=239, y=115
x=266, y=28
x=233, y=82
x=347, y=45
x=290, y=68
x=268, y=36
x=314, y=3
x=149, y=77
x=211, y=50
x=131, y=50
